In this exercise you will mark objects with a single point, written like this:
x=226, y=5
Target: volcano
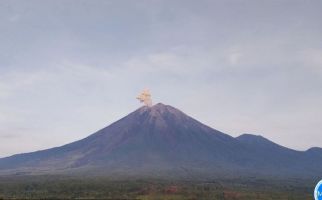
x=162, y=141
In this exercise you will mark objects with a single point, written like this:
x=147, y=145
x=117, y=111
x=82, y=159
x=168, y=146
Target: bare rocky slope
x=161, y=141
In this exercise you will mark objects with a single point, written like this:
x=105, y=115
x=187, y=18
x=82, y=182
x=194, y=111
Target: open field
x=43, y=187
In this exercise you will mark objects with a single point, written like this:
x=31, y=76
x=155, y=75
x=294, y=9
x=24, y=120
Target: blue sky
x=69, y=68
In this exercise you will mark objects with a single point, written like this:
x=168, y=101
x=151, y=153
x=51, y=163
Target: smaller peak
x=246, y=137
x=250, y=136
x=315, y=149
x=256, y=139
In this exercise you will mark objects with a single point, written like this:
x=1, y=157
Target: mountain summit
x=163, y=141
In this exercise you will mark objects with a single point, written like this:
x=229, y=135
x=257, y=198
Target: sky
x=71, y=67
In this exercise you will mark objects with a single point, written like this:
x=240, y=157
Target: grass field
x=44, y=187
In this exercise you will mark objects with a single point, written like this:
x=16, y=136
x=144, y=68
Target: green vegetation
x=50, y=187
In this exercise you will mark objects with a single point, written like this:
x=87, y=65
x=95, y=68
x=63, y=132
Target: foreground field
x=33, y=187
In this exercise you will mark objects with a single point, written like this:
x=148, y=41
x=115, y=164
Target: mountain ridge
x=162, y=140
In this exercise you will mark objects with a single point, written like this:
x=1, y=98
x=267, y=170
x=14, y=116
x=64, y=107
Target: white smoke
x=145, y=97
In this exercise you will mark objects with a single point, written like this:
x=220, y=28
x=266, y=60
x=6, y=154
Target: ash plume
x=145, y=97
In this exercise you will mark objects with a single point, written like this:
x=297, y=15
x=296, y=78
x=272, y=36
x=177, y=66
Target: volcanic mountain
x=161, y=141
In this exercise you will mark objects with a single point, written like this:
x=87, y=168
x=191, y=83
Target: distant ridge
x=162, y=141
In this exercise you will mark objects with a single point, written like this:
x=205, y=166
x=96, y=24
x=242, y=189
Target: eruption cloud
x=145, y=97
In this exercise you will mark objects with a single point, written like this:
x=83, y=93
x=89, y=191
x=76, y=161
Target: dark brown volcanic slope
x=163, y=141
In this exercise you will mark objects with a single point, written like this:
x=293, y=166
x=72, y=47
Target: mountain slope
x=163, y=141
x=279, y=160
